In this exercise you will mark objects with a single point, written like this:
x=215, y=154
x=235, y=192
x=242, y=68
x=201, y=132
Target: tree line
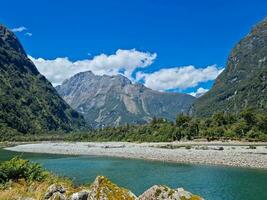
x=248, y=124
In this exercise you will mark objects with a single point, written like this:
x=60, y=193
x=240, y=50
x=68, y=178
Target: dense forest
x=248, y=125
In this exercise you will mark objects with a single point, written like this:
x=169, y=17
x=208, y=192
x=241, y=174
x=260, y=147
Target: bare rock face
x=160, y=192
x=103, y=189
x=115, y=100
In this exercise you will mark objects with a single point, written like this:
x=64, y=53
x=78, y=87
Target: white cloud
x=28, y=34
x=127, y=61
x=200, y=91
x=59, y=69
x=19, y=29
x=179, y=77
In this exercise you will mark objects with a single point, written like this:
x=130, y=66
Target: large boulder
x=83, y=195
x=55, y=192
x=159, y=192
x=102, y=189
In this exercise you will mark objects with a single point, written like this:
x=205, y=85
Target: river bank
x=237, y=154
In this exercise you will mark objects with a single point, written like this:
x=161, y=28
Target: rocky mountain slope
x=115, y=100
x=28, y=102
x=244, y=81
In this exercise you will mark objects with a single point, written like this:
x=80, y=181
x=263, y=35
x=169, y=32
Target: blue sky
x=180, y=33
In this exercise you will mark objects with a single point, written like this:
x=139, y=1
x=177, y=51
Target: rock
x=58, y=196
x=102, y=188
x=184, y=194
x=83, y=195
x=54, y=190
x=159, y=192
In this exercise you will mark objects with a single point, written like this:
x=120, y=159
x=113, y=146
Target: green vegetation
x=243, y=83
x=17, y=168
x=28, y=101
x=252, y=147
x=248, y=125
x=22, y=179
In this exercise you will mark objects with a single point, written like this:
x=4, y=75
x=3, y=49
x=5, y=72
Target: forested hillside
x=243, y=83
x=28, y=102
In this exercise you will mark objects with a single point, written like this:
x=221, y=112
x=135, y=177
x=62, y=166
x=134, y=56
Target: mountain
x=28, y=102
x=243, y=83
x=115, y=100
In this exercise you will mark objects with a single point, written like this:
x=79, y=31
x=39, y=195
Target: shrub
x=252, y=147
x=220, y=148
x=3, y=177
x=17, y=168
x=188, y=147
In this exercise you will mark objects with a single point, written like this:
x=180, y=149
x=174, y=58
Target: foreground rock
x=158, y=192
x=100, y=189
x=83, y=195
x=55, y=191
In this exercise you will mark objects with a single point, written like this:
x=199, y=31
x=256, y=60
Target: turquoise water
x=213, y=183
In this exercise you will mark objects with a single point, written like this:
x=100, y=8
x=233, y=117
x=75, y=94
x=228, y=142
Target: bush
x=17, y=168
x=252, y=147
x=220, y=148
x=3, y=177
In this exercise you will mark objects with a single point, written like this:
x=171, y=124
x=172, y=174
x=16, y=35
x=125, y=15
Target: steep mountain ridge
x=115, y=100
x=28, y=102
x=243, y=83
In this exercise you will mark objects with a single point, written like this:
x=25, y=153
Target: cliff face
x=244, y=81
x=115, y=100
x=28, y=102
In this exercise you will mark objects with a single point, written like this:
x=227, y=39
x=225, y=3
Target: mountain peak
x=114, y=100
x=122, y=79
x=9, y=41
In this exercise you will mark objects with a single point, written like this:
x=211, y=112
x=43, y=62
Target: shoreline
x=233, y=154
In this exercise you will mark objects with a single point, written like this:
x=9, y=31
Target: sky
x=168, y=45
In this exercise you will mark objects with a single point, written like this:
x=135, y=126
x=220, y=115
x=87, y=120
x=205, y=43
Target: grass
x=21, y=188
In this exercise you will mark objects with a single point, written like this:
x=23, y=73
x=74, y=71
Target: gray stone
x=54, y=189
x=83, y=195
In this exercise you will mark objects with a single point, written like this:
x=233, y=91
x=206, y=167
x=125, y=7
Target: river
x=210, y=182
